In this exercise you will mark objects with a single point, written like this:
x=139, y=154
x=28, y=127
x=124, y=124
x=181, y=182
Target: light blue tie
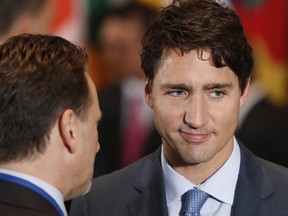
x=192, y=202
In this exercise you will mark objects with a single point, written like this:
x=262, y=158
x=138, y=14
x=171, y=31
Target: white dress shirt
x=220, y=186
x=48, y=188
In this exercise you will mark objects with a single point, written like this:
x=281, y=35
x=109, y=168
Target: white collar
x=48, y=188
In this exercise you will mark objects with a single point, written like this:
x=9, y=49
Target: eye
x=176, y=93
x=217, y=94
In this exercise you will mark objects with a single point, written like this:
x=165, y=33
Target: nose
x=196, y=115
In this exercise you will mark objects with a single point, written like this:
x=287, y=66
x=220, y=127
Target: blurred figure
x=48, y=125
x=25, y=16
x=120, y=40
x=263, y=126
x=127, y=131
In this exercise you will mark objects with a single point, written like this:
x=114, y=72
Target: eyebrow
x=175, y=86
x=218, y=86
x=206, y=87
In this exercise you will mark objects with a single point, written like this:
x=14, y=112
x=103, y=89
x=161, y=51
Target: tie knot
x=192, y=202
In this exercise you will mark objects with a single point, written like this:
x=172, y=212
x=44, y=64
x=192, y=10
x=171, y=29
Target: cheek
x=93, y=140
x=167, y=115
x=226, y=117
x=96, y=141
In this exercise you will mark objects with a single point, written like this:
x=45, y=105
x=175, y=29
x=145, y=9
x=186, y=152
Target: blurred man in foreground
x=48, y=125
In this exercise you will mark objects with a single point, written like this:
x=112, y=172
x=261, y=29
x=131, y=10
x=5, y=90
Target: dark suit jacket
x=17, y=200
x=109, y=130
x=138, y=190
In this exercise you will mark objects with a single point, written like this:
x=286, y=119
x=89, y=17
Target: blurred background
x=111, y=31
x=265, y=23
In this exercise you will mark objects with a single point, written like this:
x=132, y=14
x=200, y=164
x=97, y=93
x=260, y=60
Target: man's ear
x=245, y=94
x=147, y=90
x=68, y=126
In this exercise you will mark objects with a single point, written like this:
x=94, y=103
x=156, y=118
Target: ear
x=68, y=126
x=147, y=90
x=245, y=94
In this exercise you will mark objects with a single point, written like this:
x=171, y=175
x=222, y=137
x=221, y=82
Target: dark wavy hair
x=198, y=25
x=40, y=77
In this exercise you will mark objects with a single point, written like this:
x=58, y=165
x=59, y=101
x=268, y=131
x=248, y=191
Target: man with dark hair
x=25, y=16
x=197, y=64
x=48, y=125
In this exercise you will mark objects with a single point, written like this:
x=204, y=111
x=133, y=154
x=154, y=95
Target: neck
x=38, y=167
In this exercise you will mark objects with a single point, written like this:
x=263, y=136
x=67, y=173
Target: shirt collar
x=48, y=188
x=221, y=185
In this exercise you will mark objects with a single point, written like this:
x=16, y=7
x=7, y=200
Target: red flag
x=266, y=25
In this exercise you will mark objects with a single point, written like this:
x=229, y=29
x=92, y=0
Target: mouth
x=195, y=137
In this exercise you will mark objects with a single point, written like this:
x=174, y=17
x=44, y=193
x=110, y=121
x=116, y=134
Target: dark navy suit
x=18, y=200
x=138, y=190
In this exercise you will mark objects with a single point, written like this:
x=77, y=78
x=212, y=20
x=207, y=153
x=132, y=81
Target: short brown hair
x=40, y=77
x=198, y=25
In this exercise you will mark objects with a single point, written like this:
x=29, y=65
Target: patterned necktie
x=192, y=202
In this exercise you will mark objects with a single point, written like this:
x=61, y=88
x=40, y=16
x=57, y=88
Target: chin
x=85, y=188
x=80, y=190
x=196, y=157
x=88, y=187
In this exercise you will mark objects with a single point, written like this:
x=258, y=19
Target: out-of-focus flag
x=71, y=20
x=266, y=25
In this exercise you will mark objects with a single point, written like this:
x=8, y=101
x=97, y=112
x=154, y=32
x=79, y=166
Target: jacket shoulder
x=120, y=188
x=277, y=174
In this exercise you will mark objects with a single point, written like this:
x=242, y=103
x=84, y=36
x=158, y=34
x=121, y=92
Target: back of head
x=198, y=25
x=40, y=77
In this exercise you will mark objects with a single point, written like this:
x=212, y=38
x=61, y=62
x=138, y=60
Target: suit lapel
x=252, y=187
x=149, y=188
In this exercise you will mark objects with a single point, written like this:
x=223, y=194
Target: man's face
x=89, y=141
x=196, y=108
x=121, y=45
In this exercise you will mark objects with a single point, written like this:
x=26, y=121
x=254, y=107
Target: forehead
x=191, y=67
